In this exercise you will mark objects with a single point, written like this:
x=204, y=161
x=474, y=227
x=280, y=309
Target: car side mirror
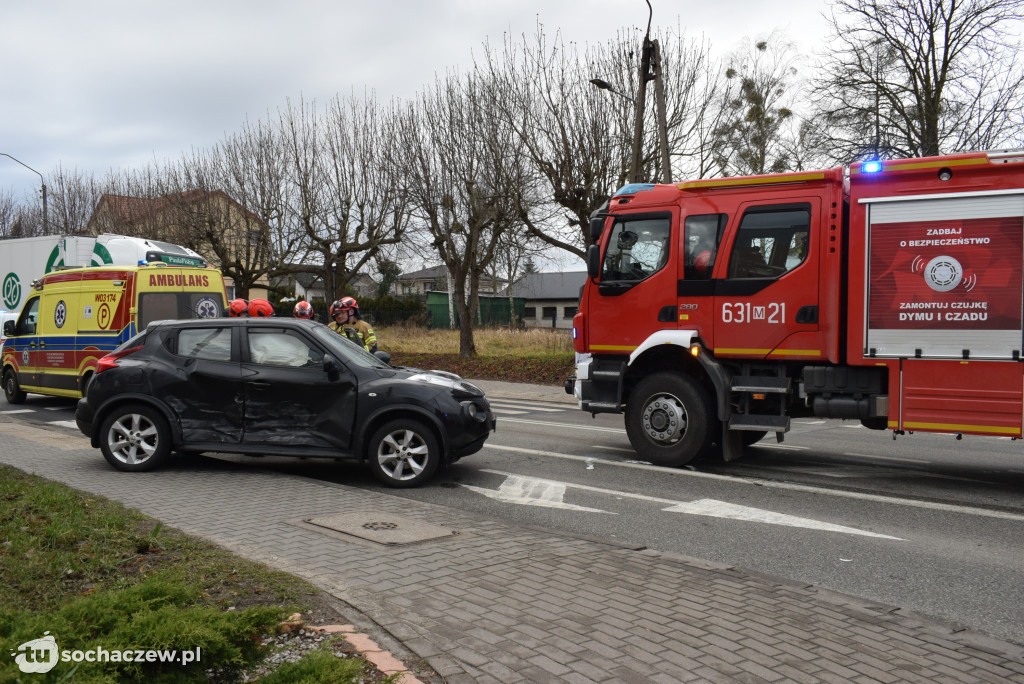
x=594, y=261
x=8, y=328
x=332, y=367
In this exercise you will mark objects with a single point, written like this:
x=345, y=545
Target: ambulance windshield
x=161, y=306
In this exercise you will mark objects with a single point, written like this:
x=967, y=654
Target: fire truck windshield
x=636, y=249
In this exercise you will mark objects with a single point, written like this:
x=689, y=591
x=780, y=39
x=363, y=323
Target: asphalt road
x=925, y=522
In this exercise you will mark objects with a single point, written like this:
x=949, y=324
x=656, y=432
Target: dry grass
x=495, y=342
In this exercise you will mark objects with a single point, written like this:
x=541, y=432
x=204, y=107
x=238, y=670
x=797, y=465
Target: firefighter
x=238, y=308
x=303, y=310
x=260, y=308
x=347, y=321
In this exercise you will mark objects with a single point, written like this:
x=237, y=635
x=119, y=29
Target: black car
x=276, y=386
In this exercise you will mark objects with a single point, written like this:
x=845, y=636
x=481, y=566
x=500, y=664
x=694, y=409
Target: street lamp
x=650, y=70
x=41, y=180
x=605, y=85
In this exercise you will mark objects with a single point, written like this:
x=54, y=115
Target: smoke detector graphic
x=944, y=273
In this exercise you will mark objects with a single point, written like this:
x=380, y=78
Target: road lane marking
x=63, y=423
x=929, y=505
x=8, y=411
x=608, y=448
x=505, y=411
x=571, y=426
x=888, y=458
x=522, y=405
x=528, y=491
x=723, y=509
x=541, y=492
x=780, y=447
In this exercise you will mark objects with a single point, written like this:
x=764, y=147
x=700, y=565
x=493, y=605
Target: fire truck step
x=760, y=383
x=759, y=422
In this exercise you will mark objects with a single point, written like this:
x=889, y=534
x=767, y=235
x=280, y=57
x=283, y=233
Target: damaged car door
x=203, y=386
x=295, y=393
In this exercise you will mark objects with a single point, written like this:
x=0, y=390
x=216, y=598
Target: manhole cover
x=382, y=528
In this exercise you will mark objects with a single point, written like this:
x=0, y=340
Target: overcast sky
x=100, y=84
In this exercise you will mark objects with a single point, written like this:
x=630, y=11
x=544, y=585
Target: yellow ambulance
x=73, y=317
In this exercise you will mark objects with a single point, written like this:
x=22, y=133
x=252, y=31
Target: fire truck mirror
x=596, y=228
x=594, y=261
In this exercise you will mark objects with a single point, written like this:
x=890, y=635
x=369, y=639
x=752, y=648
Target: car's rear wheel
x=135, y=438
x=403, y=453
x=12, y=390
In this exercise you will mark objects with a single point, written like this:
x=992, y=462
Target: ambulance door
x=22, y=349
x=766, y=306
x=58, y=325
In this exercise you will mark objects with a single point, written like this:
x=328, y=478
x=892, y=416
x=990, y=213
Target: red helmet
x=344, y=304
x=702, y=261
x=303, y=310
x=260, y=308
x=238, y=307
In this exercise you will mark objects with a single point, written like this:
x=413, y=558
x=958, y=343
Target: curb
x=368, y=649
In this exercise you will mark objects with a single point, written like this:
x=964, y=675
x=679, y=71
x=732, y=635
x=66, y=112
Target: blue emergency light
x=871, y=167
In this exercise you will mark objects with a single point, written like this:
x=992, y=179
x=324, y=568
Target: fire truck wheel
x=12, y=390
x=667, y=419
x=135, y=438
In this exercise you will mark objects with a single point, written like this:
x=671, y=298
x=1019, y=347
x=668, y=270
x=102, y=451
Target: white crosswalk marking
x=528, y=491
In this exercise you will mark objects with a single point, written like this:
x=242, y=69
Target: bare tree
x=751, y=137
x=214, y=223
x=911, y=79
x=453, y=139
x=577, y=138
x=10, y=216
x=72, y=198
x=345, y=196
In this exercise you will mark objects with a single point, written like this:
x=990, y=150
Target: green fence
x=493, y=311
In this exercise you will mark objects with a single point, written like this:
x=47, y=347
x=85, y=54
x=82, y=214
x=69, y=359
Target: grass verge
x=543, y=357
x=93, y=575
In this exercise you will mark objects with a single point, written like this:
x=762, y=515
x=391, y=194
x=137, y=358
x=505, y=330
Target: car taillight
x=110, y=360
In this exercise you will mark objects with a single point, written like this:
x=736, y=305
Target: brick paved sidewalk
x=501, y=603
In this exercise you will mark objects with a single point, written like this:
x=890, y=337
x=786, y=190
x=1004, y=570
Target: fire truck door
x=767, y=292
x=636, y=292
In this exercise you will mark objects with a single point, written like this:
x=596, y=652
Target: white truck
x=24, y=260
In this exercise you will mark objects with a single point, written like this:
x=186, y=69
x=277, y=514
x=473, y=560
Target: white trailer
x=24, y=260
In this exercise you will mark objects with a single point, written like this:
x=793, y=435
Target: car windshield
x=347, y=350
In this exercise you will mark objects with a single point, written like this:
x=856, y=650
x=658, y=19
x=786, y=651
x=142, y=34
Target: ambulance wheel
x=135, y=438
x=12, y=390
x=667, y=419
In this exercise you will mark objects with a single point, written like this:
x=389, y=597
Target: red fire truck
x=890, y=293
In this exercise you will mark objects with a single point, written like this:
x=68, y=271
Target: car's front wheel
x=135, y=438
x=12, y=390
x=403, y=453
